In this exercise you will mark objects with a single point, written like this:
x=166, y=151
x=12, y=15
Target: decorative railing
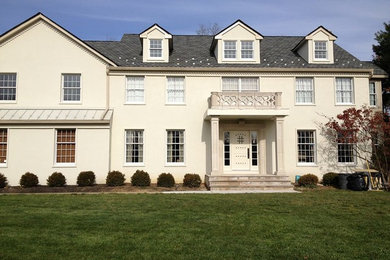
x=245, y=100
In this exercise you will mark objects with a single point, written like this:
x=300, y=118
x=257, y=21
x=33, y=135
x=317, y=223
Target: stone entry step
x=248, y=182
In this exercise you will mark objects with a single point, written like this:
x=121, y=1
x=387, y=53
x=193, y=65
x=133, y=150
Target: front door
x=240, y=150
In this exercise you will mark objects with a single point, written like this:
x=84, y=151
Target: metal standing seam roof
x=47, y=115
x=194, y=51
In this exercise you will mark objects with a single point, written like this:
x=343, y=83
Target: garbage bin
x=297, y=178
x=357, y=182
x=342, y=180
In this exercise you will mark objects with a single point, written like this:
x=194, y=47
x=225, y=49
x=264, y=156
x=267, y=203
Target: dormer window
x=230, y=50
x=246, y=49
x=320, y=50
x=155, y=48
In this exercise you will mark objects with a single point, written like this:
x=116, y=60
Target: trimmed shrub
x=330, y=179
x=56, y=179
x=140, y=178
x=308, y=180
x=115, y=178
x=29, y=180
x=192, y=180
x=3, y=181
x=165, y=180
x=86, y=178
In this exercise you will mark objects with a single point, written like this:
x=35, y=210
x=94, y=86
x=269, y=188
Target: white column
x=214, y=145
x=279, y=145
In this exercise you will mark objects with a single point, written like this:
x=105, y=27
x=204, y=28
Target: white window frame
x=173, y=90
x=16, y=86
x=129, y=163
x=313, y=144
x=135, y=88
x=63, y=88
x=304, y=91
x=321, y=50
x=65, y=164
x=337, y=92
x=240, y=84
x=224, y=50
x=249, y=50
x=352, y=147
x=371, y=86
x=4, y=164
x=167, y=163
x=161, y=49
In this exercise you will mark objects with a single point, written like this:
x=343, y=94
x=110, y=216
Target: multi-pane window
x=175, y=146
x=304, y=91
x=344, y=91
x=372, y=94
x=7, y=86
x=134, y=146
x=320, y=50
x=175, y=90
x=306, y=146
x=71, y=87
x=66, y=146
x=345, y=150
x=254, y=148
x=155, y=48
x=229, y=49
x=226, y=148
x=240, y=84
x=3, y=146
x=247, y=49
x=135, y=90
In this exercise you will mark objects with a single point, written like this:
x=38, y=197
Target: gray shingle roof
x=194, y=51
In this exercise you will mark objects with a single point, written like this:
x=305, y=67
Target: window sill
x=345, y=104
x=346, y=164
x=64, y=165
x=307, y=165
x=175, y=165
x=175, y=104
x=305, y=104
x=71, y=103
x=134, y=165
x=135, y=103
x=8, y=101
x=3, y=165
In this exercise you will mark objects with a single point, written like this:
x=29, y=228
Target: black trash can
x=357, y=182
x=342, y=180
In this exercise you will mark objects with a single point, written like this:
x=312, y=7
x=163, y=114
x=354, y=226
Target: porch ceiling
x=246, y=113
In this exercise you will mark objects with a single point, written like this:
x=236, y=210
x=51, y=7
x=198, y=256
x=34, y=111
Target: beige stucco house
x=239, y=108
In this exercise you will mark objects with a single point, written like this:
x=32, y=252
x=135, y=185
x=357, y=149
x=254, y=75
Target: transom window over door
x=344, y=91
x=304, y=91
x=134, y=146
x=135, y=90
x=240, y=84
x=3, y=146
x=155, y=48
x=320, y=50
x=175, y=90
x=7, y=86
x=175, y=146
x=229, y=51
x=66, y=146
x=71, y=87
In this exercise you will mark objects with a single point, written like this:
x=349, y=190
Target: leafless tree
x=210, y=29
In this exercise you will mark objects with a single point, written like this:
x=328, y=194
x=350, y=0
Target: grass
x=329, y=224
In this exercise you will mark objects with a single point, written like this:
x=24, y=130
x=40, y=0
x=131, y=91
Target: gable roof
x=41, y=17
x=155, y=26
x=334, y=37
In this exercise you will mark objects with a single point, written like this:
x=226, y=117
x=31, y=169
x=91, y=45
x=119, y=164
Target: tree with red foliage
x=368, y=131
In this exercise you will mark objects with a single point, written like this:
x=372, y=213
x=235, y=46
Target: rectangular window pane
x=135, y=90
x=134, y=146
x=249, y=84
x=304, y=90
x=175, y=146
x=226, y=149
x=240, y=84
x=155, y=48
x=320, y=50
x=229, y=49
x=345, y=150
x=247, y=49
x=175, y=90
x=344, y=91
x=254, y=148
x=230, y=84
x=372, y=94
x=66, y=146
x=71, y=87
x=306, y=146
x=3, y=145
x=7, y=86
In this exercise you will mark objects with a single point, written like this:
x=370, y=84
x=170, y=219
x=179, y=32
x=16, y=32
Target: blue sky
x=353, y=21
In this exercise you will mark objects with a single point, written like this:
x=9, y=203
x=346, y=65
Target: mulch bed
x=102, y=188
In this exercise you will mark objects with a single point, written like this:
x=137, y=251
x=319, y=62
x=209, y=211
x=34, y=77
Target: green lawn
x=312, y=225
